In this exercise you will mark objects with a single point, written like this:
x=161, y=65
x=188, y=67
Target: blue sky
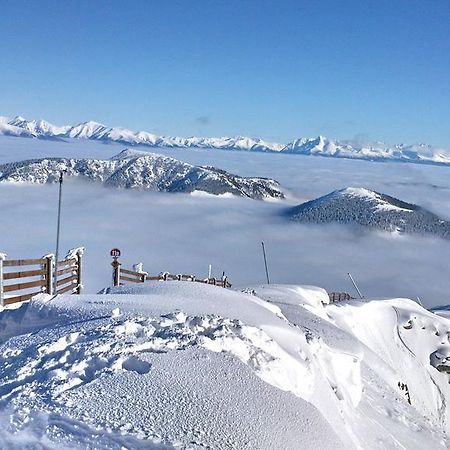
x=377, y=70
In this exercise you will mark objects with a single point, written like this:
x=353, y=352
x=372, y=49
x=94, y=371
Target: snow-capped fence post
x=49, y=268
x=140, y=272
x=2, y=258
x=79, y=258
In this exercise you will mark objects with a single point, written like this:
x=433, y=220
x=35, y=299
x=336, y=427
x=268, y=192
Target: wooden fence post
x=116, y=272
x=2, y=258
x=49, y=268
x=79, y=271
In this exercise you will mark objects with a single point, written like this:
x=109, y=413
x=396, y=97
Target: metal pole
x=355, y=285
x=55, y=276
x=265, y=262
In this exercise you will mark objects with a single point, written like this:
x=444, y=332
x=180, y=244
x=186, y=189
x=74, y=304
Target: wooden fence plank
x=22, y=262
x=66, y=270
x=67, y=262
x=69, y=279
x=20, y=286
x=131, y=272
x=20, y=298
x=68, y=288
x=133, y=280
x=153, y=278
x=24, y=274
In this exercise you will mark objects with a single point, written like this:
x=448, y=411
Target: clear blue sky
x=276, y=69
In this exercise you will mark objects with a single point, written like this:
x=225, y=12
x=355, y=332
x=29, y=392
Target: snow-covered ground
x=185, y=365
x=185, y=233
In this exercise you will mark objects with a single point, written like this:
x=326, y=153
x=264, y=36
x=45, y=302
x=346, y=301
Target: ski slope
x=185, y=365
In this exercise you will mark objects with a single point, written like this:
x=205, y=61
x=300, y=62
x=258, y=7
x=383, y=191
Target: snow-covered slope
x=320, y=146
x=142, y=170
x=186, y=365
x=370, y=209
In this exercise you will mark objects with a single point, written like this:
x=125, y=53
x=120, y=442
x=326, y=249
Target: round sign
x=115, y=253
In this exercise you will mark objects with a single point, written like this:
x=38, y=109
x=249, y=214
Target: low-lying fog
x=185, y=233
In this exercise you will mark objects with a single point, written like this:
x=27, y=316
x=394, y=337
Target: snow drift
x=184, y=365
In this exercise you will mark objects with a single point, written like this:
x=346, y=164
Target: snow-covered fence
x=339, y=296
x=21, y=279
x=138, y=275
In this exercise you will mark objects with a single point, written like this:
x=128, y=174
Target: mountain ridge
x=131, y=169
x=318, y=146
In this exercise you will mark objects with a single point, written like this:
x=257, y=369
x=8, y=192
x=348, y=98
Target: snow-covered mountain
x=378, y=151
x=370, y=209
x=19, y=126
x=142, y=170
x=320, y=146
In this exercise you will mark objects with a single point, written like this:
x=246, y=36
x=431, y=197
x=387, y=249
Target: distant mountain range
x=320, y=146
x=370, y=209
x=133, y=169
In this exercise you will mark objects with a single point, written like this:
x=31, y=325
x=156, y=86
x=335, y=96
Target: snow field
x=197, y=366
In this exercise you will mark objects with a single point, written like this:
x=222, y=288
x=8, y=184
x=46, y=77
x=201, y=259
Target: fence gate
x=21, y=279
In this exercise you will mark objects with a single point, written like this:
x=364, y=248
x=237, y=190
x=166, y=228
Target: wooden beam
x=22, y=262
x=21, y=286
x=131, y=272
x=66, y=270
x=24, y=274
x=70, y=279
x=133, y=280
x=67, y=262
x=20, y=298
x=68, y=288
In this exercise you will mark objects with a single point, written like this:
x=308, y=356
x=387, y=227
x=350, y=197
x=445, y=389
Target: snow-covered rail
x=121, y=276
x=339, y=296
x=28, y=277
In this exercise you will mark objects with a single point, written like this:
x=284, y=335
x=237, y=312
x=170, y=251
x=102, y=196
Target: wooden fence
x=21, y=279
x=339, y=296
x=121, y=276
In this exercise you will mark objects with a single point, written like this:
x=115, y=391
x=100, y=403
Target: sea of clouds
x=184, y=233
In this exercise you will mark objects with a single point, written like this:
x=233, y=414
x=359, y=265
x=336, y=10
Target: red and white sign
x=115, y=253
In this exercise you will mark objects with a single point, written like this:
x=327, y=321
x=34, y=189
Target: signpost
x=115, y=253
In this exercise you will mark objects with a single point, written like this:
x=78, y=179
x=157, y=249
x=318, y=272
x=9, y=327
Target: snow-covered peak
x=361, y=206
x=318, y=146
x=133, y=169
x=87, y=130
x=381, y=201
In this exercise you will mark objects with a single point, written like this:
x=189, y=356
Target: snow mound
x=186, y=365
x=133, y=169
x=370, y=209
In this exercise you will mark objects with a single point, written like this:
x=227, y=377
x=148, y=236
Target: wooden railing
x=339, y=296
x=121, y=276
x=21, y=279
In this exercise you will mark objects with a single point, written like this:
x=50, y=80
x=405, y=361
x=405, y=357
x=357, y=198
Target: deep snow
x=187, y=365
